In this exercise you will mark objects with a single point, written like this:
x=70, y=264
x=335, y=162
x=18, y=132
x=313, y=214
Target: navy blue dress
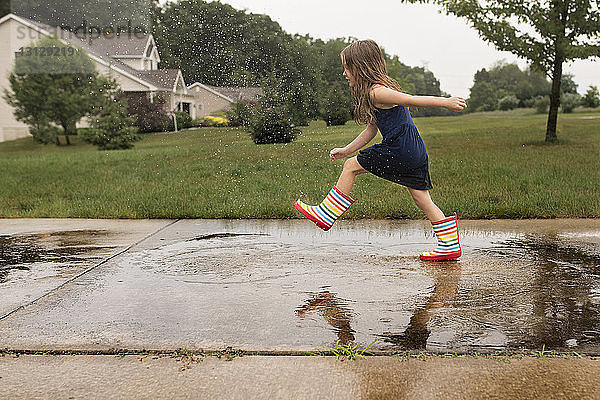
x=401, y=157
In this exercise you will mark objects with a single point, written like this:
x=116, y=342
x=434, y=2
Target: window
x=149, y=51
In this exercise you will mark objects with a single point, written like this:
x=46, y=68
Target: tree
x=337, y=106
x=112, y=127
x=216, y=44
x=503, y=80
x=547, y=33
x=591, y=98
x=4, y=7
x=48, y=92
x=567, y=84
x=271, y=120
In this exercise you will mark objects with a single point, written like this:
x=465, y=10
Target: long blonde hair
x=364, y=59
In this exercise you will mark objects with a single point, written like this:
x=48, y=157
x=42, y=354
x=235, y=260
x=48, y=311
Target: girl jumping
x=401, y=157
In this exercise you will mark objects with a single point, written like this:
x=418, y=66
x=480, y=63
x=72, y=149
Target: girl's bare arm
x=384, y=95
x=361, y=141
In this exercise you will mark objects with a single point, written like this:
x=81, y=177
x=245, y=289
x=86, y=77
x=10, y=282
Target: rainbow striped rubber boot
x=324, y=215
x=448, y=247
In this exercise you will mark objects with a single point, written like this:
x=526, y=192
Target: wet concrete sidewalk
x=286, y=286
x=268, y=377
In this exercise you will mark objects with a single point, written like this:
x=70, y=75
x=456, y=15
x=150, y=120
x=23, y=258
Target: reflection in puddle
x=446, y=277
x=524, y=292
x=565, y=278
x=19, y=252
x=334, y=310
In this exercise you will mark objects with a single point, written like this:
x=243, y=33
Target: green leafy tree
x=484, y=96
x=565, y=30
x=271, y=120
x=112, y=127
x=502, y=80
x=337, y=106
x=4, y=7
x=216, y=44
x=567, y=84
x=52, y=92
x=591, y=97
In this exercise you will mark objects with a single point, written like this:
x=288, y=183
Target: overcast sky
x=418, y=34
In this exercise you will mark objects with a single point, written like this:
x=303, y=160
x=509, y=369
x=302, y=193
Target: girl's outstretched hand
x=337, y=153
x=456, y=104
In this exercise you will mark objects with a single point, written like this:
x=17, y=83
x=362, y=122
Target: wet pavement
x=272, y=285
x=268, y=377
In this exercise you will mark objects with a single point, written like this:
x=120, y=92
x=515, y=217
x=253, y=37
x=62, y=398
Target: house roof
x=124, y=44
x=85, y=44
x=238, y=93
x=104, y=49
x=127, y=45
x=161, y=78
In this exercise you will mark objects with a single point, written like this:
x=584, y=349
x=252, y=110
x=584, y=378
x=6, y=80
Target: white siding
x=13, y=36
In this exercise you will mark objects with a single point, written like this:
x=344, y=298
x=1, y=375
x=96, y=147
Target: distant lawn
x=483, y=165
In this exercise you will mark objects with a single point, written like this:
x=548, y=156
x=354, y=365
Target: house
x=132, y=59
x=219, y=98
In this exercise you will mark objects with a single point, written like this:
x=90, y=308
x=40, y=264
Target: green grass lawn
x=483, y=165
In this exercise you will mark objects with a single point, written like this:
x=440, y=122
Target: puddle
x=334, y=310
x=283, y=285
x=61, y=249
x=224, y=235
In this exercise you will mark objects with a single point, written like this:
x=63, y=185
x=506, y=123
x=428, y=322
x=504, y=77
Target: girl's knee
x=352, y=165
x=421, y=198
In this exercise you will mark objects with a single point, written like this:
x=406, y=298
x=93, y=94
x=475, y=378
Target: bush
x=591, y=98
x=508, y=102
x=529, y=103
x=568, y=102
x=111, y=128
x=542, y=104
x=45, y=133
x=272, y=125
x=240, y=113
x=184, y=121
x=149, y=117
x=215, y=121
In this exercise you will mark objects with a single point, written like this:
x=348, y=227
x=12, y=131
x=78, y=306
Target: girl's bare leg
x=351, y=169
x=423, y=201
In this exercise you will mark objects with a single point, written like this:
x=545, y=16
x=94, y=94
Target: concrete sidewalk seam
x=87, y=270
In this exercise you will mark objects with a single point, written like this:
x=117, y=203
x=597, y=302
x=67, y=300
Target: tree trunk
x=554, y=101
x=67, y=139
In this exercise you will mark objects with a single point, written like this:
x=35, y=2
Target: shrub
x=184, y=121
x=149, y=117
x=45, y=133
x=111, y=128
x=240, y=113
x=568, y=102
x=542, y=104
x=272, y=125
x=508, y=102
x=209, y=120
x=529, y=103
